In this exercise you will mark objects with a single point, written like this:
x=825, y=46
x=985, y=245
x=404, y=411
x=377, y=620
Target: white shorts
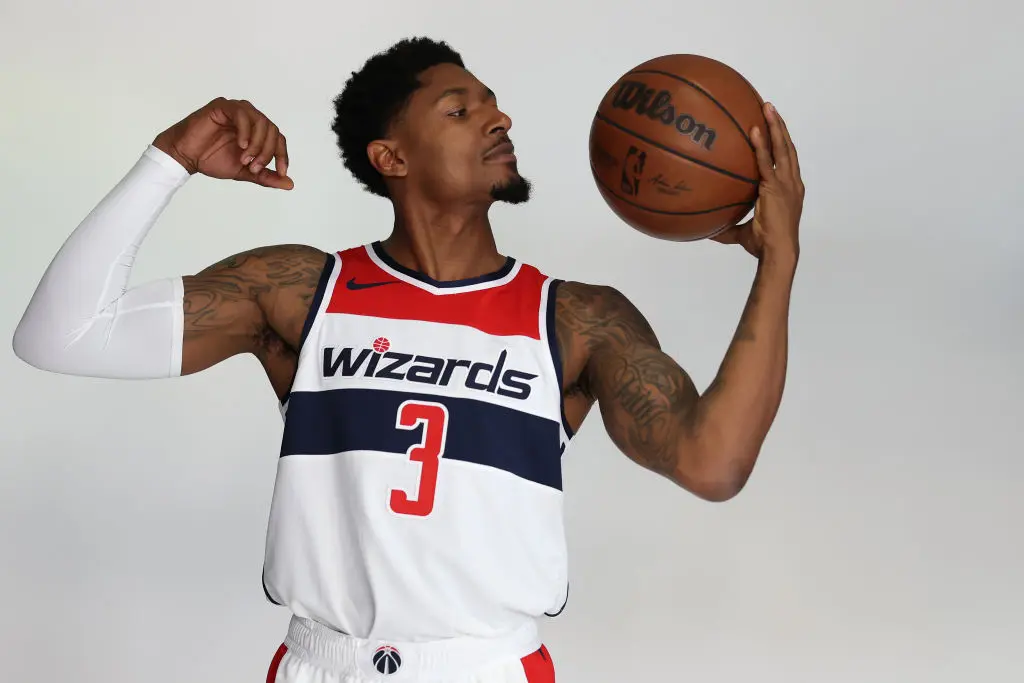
x=313, y=653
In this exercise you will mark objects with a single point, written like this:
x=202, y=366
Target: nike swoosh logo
x=352, y=284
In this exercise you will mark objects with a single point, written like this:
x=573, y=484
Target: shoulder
x=282, y=260
x=585, y=295
x=597, y=315
x=271, y=260
x=292, y=275
x=596, y=326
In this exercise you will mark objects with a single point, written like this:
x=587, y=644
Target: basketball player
x=429, y=384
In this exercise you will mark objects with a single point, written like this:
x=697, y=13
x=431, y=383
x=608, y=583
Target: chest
x=375, y=331
x=460, y=361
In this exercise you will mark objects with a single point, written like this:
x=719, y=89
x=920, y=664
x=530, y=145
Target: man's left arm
x=707, y=443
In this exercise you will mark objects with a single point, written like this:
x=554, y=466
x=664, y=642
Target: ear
x=386, y=158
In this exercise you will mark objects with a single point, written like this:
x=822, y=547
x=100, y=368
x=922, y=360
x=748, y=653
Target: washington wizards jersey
x=419, y=491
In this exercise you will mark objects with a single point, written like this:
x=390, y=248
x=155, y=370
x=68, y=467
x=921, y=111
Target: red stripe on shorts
x=276, y=662
x=538, y=667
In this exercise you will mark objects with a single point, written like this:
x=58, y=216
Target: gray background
x=879, y=537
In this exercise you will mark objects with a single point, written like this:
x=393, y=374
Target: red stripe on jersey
x=503, y=310
x=538, y=667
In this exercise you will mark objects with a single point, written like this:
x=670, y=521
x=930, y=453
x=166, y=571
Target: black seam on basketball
x=706, y=94
x=660, y=211
x=604, y=119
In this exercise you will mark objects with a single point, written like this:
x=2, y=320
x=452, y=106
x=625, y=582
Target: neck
x=442, y=243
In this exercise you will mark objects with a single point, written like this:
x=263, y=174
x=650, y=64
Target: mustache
x=503, y=140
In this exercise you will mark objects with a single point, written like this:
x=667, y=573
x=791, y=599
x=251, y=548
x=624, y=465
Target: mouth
x=502, y=154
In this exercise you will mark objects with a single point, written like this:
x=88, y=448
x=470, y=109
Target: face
x=451, y=144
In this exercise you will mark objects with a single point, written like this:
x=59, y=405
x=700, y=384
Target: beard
x=516, y=190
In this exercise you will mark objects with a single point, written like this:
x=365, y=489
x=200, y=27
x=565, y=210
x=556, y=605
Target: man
x=429, y=384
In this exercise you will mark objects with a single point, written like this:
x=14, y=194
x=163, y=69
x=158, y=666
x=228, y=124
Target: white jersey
x=419, y=489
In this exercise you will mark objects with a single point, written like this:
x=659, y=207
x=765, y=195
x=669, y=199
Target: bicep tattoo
x=646, y=398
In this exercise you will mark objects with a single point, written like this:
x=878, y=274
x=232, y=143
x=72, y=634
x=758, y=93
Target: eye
x=458, y=112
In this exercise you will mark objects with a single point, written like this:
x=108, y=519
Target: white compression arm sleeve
x=83, y=319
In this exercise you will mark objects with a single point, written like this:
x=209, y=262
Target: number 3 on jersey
x=428, y=452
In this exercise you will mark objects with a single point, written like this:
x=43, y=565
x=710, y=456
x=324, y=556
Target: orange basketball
x=670, y=147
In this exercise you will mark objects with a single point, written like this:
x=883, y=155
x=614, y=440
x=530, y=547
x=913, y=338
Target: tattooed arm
x=253, y=302
x=706, y=443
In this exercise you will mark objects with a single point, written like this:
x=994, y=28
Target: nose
x=500, y=123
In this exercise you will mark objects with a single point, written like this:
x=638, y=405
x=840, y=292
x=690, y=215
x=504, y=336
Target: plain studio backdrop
x=879, y=537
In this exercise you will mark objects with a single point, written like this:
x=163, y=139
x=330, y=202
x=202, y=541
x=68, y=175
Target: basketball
x=670, y=147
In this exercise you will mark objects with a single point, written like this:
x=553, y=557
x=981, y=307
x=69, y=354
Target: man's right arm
x=84, y=319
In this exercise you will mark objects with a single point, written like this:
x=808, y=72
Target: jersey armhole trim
x=318, y=299
x=315, y=306
x=267, y=592
x=562, y=608
x=556, y=356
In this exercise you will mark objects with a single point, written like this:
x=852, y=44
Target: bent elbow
x=31, y=350
x=23, y=347
x=714, y=490
x=716, y=474
x=43, y=347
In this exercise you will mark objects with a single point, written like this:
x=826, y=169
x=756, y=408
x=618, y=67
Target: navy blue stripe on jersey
x=339, y=420
x=416, y=275
x=553, y=345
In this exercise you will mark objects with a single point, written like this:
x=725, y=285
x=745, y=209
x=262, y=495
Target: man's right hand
x=229, y=139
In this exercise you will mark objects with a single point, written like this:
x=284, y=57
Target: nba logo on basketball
x=387, y=660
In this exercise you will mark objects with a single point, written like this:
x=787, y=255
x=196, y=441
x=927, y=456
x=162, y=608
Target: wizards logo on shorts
x=378, y=361
x=387, y=660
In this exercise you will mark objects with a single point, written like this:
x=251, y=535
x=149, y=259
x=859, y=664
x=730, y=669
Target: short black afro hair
x=376, y=94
